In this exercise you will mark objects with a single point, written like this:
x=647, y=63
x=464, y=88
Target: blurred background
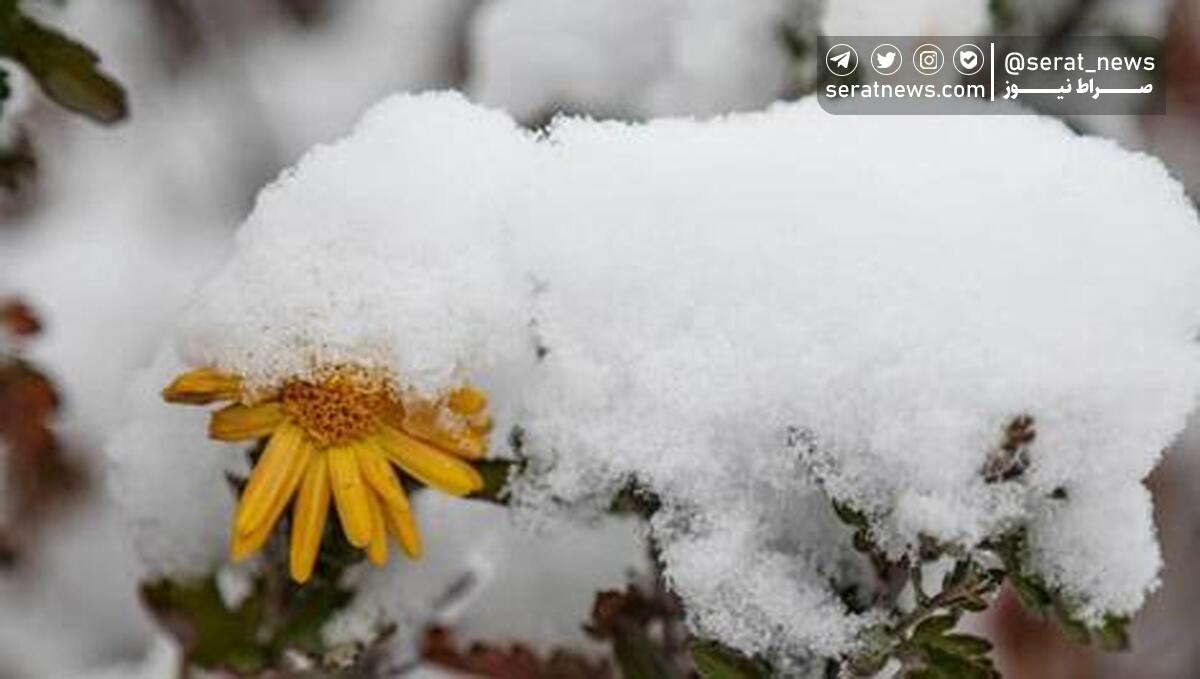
x=106, y=228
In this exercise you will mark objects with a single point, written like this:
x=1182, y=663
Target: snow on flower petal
x=326, y=436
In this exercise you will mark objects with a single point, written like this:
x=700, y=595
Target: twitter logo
x=886, y=59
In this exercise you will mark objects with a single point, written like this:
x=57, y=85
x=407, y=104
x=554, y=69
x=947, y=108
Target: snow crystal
x=745, y=317
x=633, y=57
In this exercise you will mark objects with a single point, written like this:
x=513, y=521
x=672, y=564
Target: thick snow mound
x=745, y=317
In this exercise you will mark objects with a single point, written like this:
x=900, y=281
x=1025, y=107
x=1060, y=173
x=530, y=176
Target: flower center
x=342, y=407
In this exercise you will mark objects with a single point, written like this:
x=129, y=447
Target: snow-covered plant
x=853, y=373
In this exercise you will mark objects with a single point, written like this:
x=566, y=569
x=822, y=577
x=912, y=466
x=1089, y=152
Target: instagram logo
x=928, y=59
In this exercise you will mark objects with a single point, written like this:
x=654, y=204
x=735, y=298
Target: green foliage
x=1039, y=597
x=856, y=519
x=638, y=656
x=935, y=651
x=253, y=637
x=495, y=475
x=213, y=636
x=923, y=639
x=67, y=71
x=714, y=661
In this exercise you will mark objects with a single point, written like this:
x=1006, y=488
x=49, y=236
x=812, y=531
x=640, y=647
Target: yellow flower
x=338, y=435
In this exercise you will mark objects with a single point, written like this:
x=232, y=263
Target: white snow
x=72, y=603
x=1104, y=17
x=636, y=58
x=916, y=18
x=492, y=579
x=161, y=661
x=742, y=315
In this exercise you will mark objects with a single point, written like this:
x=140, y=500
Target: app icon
x=841, y=59
x=968, y=59
x=886, y=59
x=928, y=59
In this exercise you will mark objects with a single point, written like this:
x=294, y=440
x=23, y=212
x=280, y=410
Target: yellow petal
x=468, y=401
x=308, y=518
x=202, y=386
x=480, y=425
x=377, y=548
x=403, y=527
x=350, y=495
x=429, y=465
x=378, y=473
x=471, y=445
x=274, y=479
x=467, y=444
x=245, y=423
x=242, y=546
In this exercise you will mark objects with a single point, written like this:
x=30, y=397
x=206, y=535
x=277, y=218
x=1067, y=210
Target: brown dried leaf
x=515, y=661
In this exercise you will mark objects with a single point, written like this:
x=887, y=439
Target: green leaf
x=66, y=70
x=1113, y=635
x=933, y=627
x=957, y=575
x=495, y=475
x=965, y=644
x=1038, y=597
x=934, y=651
x=862, y=542
x=850, y=516
x=1071, y=628
x=974, y=604
x=714, y=661
x=957, y=666
x=638, y=657
x=212, y=636
x=307, y=612
x=1034, y=595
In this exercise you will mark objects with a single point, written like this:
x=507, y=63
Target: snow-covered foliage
x=744, y=318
